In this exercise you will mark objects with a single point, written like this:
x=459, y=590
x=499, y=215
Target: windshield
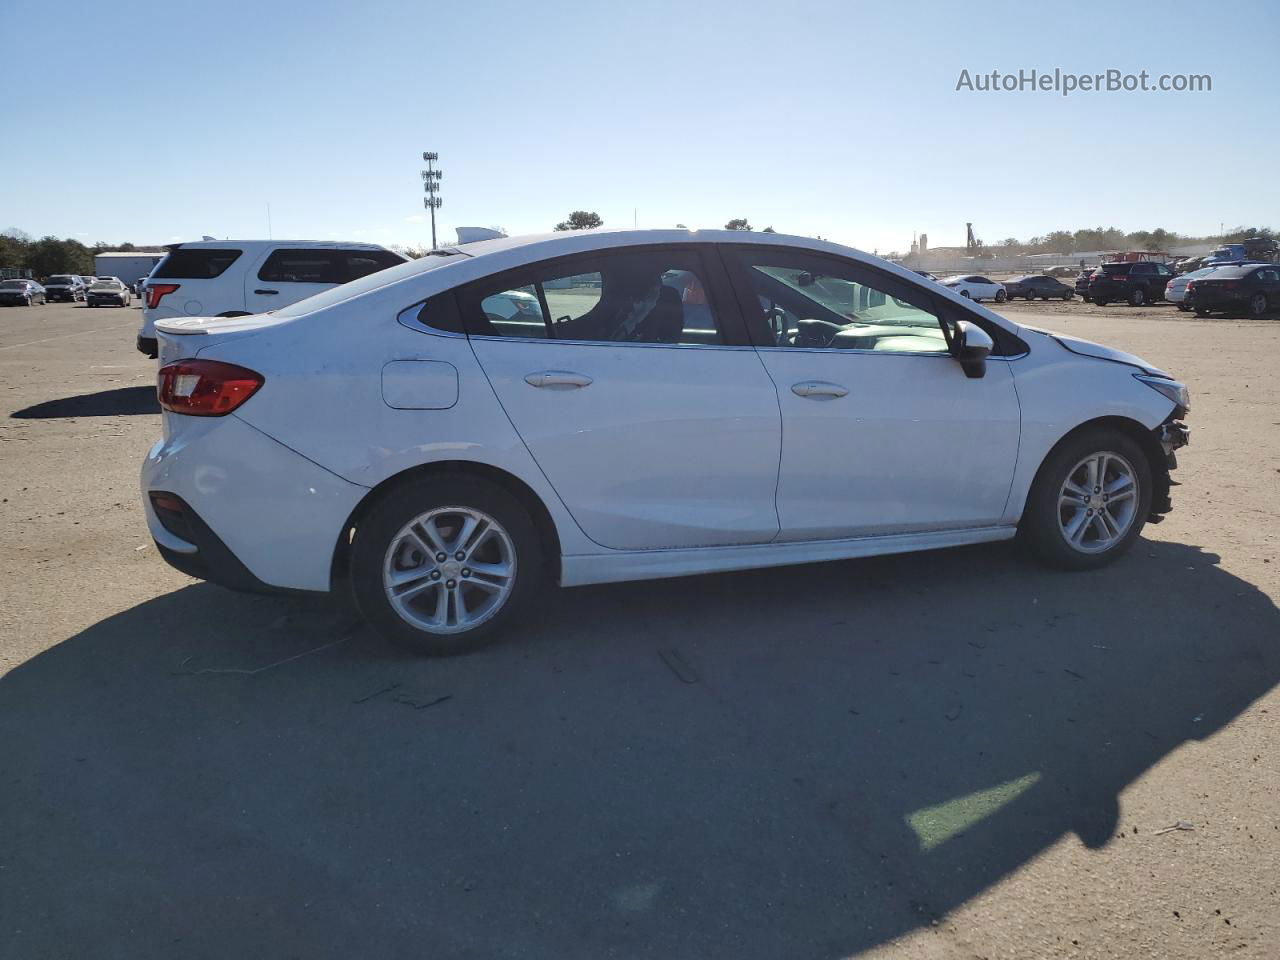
x=63, y=280
x=853, y=301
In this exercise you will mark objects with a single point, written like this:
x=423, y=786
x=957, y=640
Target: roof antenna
x=269, y=237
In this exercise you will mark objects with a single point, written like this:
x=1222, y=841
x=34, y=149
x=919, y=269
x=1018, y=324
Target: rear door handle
x=269, y=293
x=558, y=380
x=819, y=390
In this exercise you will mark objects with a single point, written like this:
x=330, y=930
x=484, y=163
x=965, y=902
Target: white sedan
x=447, y=437
x=976, y=287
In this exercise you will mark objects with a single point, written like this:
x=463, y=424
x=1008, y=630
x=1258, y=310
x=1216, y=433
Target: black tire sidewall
x=402, y=503
x=1039, y=525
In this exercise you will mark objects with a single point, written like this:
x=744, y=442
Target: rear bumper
x=260, y=517
x=60, y=295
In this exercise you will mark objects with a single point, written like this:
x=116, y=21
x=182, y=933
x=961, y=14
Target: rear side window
x=361, y=263
x=195, y=263
x=302, y=266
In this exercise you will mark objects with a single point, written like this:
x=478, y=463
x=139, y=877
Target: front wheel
x=1068, y=295
x=1089, y=501
x=443, y=565
x=1001, y=296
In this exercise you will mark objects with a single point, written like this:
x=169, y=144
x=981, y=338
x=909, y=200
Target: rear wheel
x=443, y=565
x=1258, y=305
x=1100, y=301
x=1137, y=297
x=1202, y=311
x=1068, y=295
x=965, y=294
x=1089, y=501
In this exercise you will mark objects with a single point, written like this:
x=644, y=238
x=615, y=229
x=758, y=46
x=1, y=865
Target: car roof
x=1239, y=271
x=265, y=244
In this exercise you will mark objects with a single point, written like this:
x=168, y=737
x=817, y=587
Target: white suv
x=236, y=278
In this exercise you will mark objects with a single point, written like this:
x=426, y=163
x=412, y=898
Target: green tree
x=739, y=224
x=581, y=220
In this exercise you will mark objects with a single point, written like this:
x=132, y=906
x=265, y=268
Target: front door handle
x=819, y=390
x=558, y=380
x=267, y=293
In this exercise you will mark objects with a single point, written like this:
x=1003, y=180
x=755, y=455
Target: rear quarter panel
x=323, y=398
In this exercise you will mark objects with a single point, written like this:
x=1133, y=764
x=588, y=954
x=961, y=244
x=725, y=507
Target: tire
x=1100, y=301
x=965, y=294
x=1001, y=296
x=1048, y=519
x=1068, y=295
x=1258, y=305
x=383, y=544
x=1137, y=297
x=1183, y=307
x=1202, y=311
x=1030, y=297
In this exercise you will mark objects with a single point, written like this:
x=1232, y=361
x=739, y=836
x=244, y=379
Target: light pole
x=431, y=184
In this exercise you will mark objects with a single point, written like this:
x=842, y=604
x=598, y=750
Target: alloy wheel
x=449, y=570
x=1098, y=502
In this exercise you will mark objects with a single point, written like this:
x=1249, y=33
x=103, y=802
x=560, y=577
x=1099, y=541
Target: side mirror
x=971, y=345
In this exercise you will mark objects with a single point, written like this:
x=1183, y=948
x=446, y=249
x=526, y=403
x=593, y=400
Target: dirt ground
x=947, y=755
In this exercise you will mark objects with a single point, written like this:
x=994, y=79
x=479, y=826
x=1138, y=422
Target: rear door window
x=196, y=263
x=361, y=263
x=303, y=266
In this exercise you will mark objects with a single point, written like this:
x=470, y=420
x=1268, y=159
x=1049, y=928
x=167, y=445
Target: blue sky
x=833, y=119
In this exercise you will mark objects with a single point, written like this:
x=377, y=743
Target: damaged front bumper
x=1169, y=437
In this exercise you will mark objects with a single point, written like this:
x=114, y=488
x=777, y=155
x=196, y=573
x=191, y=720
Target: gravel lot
x=946, y=755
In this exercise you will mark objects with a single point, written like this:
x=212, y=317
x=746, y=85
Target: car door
x=634, y=387
x=289, y=274
x=882, y=432
x=1268, y=280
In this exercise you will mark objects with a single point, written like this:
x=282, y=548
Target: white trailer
x=129, y=267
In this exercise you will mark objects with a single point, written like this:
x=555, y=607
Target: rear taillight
x=205, y=388
x=158, y=291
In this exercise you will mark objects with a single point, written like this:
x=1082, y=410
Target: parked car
x=109, y=291
x=1249, y=289
x=236, y=278
x=1137, y=282
x=21, y=293
x=1062, y=270
x=1082, y=282
x=1037, y=286
x=88, y=282
x=398, y=437
x=976, y=288
x=140, y=286
x=926, y=274
x=64, y=286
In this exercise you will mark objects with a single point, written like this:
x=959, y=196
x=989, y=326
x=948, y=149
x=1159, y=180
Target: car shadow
x=798, y=762
x=121, y=402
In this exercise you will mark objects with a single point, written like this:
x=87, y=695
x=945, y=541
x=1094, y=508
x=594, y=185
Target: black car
x=1137, y=281
x=1038, y=285
x=65, y=286
x=1082, y=282
x=21, y=293
x=1251, y=289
